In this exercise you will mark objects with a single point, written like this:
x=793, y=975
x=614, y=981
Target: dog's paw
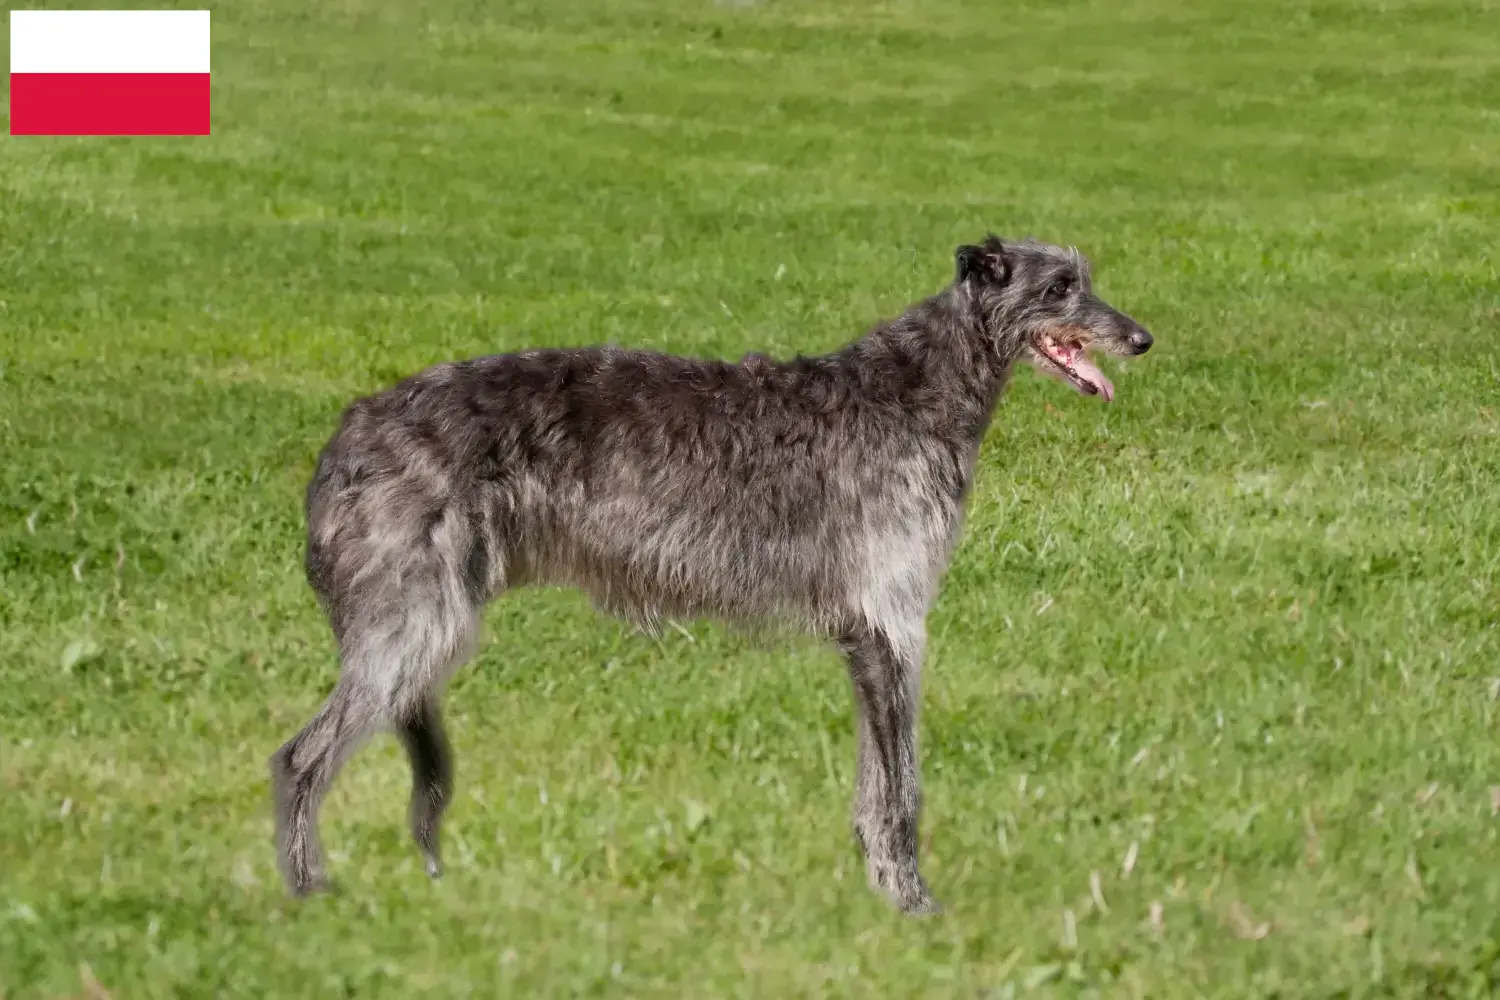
x=302, y=882
x=920, y=905
x=904, y=887
x=312, y=885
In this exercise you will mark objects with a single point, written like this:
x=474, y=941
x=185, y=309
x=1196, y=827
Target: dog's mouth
x=1069, y=360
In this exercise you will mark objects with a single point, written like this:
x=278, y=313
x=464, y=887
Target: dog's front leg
x=885, y=671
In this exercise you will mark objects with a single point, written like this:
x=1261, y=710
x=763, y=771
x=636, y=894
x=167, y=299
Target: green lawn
x=1239, y=626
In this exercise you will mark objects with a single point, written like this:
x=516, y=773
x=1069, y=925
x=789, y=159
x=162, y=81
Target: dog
x=823, y=492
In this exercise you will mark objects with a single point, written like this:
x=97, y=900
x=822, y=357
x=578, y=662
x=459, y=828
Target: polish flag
x=109, y=72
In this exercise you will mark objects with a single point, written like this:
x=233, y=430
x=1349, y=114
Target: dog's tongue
x=1090, y=373
x=1076, y=360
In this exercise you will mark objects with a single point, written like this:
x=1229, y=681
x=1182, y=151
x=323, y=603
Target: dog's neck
x=943, y=359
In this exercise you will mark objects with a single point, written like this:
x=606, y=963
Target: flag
x=109, y=72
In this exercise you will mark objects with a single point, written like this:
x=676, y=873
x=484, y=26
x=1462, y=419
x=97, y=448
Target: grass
x=1239, y=627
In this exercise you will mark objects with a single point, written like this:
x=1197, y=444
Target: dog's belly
x=645, y=566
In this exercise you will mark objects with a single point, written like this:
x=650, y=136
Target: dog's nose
x=1140, y=340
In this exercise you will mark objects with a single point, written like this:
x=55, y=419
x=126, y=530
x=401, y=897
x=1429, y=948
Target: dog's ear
x=967, y=262
x=989, y=263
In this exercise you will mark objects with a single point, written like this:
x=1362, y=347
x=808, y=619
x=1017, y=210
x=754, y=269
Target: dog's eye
x=1060, y=288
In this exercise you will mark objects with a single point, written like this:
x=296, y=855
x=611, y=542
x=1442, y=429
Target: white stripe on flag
x=109, y=41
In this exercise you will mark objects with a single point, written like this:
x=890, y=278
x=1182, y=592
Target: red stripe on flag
x=109, y=104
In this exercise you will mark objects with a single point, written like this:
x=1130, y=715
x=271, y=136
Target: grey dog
x=826, y=493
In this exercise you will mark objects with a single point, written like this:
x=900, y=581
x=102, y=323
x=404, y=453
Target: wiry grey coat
x=825, y=492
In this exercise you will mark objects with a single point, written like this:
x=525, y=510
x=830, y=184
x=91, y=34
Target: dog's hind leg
x=302, y=770
x=431, y=759
x=402, y=632
x=885, y=669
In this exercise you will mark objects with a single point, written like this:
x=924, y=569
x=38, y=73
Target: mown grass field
x=1239, y=626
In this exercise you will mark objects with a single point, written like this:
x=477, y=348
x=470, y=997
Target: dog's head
x=1044, y=295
